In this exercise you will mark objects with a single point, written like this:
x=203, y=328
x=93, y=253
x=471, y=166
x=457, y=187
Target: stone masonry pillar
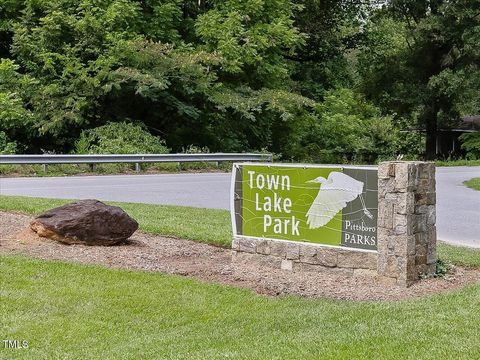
x=406, y=221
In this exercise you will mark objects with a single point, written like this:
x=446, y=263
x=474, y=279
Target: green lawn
x=457, y=163
x=71, y=311
x=473, y=183
x=459, y=255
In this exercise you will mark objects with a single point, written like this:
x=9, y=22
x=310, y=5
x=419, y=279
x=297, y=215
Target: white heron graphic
x=335, y=192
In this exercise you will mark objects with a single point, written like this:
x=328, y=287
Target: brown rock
x=88, y=222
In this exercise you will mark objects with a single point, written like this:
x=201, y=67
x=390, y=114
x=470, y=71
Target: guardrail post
x=217, y=163
x=137, y=167
x=93, y=167
x=179, y=164
x=45, y=168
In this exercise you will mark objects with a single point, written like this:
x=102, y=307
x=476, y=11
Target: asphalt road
x=458, y=207
x=199, y=190
x=458, y=210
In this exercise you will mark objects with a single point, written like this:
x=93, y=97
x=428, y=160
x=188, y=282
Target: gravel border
x=214, y=264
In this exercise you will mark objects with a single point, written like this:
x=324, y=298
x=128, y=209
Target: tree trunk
x=430, y=121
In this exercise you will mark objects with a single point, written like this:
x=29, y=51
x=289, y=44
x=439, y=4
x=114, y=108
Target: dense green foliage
x=6, y=147
x=471, y=143
x=326, y=81
x=421, y=61
x=119, y=138
x=343, y=128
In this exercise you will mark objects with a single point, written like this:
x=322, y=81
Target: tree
x=332, y=29
x=16, y=121
x=194, y=72
x=253, y=38
x=421, y=60
x=70, y=49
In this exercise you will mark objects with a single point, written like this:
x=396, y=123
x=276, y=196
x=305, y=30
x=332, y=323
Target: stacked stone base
x=292, y=256
x=406, y=221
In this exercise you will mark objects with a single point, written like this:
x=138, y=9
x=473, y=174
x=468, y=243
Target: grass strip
x=473, y=183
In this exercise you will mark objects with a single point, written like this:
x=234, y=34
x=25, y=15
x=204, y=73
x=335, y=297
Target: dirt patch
x=214, y=264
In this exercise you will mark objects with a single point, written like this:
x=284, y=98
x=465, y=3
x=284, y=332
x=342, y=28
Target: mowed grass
x=473, y=183
x=457, y=162
x=72, y=311
x=204, y=225
x=459, y=255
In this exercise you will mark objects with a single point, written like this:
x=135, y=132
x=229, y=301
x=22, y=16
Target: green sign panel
x=325, y=205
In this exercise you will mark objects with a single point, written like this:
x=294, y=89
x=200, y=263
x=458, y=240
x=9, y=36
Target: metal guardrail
x=46, y=160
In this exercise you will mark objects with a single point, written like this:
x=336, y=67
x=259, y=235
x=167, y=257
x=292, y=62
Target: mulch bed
x=214, y=264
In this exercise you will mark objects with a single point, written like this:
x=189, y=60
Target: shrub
x=471, y=144
x=343, y=128
x=6, y=147
x=119, y=138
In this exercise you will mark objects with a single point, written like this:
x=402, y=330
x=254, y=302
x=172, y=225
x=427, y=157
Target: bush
x=192, y=149
x=6, y=147
x=343, y=128
x=471, y=144
x=119, y=138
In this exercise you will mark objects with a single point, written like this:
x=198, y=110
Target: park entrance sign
x=333, y=206
x=376, y=222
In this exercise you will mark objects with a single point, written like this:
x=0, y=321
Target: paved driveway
x=458, y=207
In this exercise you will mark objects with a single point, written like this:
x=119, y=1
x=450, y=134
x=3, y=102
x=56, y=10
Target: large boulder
x=88, y=222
